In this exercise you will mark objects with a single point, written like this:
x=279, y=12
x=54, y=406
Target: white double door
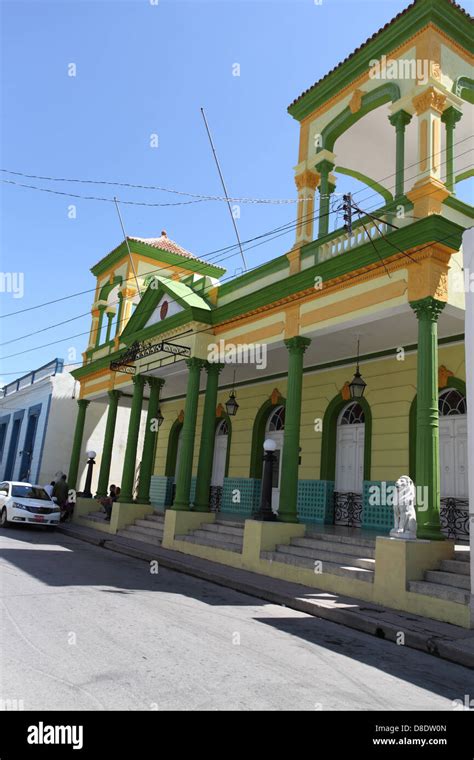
x=453, y=456
x=219, y=460
x=350, y=458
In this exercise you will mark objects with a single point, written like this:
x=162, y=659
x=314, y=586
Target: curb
x=438, y=646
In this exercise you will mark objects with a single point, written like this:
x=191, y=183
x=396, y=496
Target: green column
x=77, y=442
x=291, y=438
x=208, y=436
x=400, y=120
x=118, y=328
x=450, y=118
x=130, y=458
x=149, y=442
x=110, y=319
x=427, y=419
x=103, y=483
x=183, y=476
x=325, y=190
x=99, y=325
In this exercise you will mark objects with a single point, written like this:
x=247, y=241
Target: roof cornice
x=450, y=17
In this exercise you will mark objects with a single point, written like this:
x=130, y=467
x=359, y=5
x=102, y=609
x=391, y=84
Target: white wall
x=94, y=432
x=468, y=247
x=31, y=395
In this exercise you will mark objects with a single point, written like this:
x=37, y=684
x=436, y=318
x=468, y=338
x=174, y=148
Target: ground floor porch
x=427, y=578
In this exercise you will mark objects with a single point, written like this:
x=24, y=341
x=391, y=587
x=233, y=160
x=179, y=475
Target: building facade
x=37, y=419
x=171, y=332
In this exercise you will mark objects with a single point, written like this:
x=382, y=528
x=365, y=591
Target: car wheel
x=3, y=518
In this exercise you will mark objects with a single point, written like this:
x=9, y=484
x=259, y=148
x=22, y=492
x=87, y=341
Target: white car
x=27, y=504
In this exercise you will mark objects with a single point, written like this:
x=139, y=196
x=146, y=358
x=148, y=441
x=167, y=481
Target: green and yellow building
x=172, y=335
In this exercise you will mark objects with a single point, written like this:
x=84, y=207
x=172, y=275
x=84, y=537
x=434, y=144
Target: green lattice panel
x=315, y=501
x=249, y=496
x=161, y=491
x=376, y=516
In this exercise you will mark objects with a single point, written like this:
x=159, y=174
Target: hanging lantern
x=357, y=385
x=231, y=405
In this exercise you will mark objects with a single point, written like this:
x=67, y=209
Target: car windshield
x=30, y=492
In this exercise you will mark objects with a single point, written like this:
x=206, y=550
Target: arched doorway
x=274, y=430
x=453, y=444
x=349, y=476
x=219, y=464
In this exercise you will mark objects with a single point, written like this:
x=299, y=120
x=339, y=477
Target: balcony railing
x=47, y=370
x=343, y=242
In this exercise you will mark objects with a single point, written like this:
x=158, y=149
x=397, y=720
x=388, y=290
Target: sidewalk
x=443, y=640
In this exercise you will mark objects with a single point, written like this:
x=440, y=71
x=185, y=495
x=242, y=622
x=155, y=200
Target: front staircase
x=149, y=529
x=451, y=581
x=339, y=555
x=221, y=534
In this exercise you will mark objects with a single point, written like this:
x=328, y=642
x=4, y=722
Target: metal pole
x=128, y=247
x=265, y=512
x=224, y=188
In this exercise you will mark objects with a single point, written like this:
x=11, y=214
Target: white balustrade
x=344, y=243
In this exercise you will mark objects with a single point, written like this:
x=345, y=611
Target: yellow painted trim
x=354, y=303
x=292, y=321
x=423, y=37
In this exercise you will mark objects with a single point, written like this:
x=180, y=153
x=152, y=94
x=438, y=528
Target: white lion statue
x=404, y=509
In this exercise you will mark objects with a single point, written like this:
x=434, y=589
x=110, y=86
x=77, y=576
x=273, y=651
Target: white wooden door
x=453, y=456
x=218, y=463
x=350, y=458
x=178, y=452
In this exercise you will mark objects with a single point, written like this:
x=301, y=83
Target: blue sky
x=144, y=69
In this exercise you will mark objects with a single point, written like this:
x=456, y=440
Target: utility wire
x=288, y=227
x=155, y=271
x=189, y=194
x=196, y=332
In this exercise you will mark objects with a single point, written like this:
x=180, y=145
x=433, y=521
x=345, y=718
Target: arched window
x=276, y=421
x=451, y=402
x=222, y=428
x=353, y=414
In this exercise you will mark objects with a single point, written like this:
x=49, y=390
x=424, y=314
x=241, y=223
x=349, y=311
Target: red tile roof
x=165, y=244
x=389, y=23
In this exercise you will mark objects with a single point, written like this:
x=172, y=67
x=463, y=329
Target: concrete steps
x=99, y=516
x=336, y=547
x=149, y=530
x=451, y=581
x=328, y=556
x=441, y=591
x=222, y=534
x=346, y=556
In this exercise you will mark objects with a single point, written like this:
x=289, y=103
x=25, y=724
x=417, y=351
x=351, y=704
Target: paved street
x=83, y=628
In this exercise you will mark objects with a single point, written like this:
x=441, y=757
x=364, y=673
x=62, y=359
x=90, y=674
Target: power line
x=196, y=196
x=196, y=332
x=288, y=226
x=155, y=271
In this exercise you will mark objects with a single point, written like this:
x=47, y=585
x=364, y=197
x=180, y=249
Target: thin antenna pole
x=224, y=188
x=128, y=247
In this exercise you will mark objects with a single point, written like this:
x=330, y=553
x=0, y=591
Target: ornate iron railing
x=215, y=498
x=348, y=509
x=454, y=518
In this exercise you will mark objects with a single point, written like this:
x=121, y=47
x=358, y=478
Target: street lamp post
x=265, y=512
x=87, y=493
